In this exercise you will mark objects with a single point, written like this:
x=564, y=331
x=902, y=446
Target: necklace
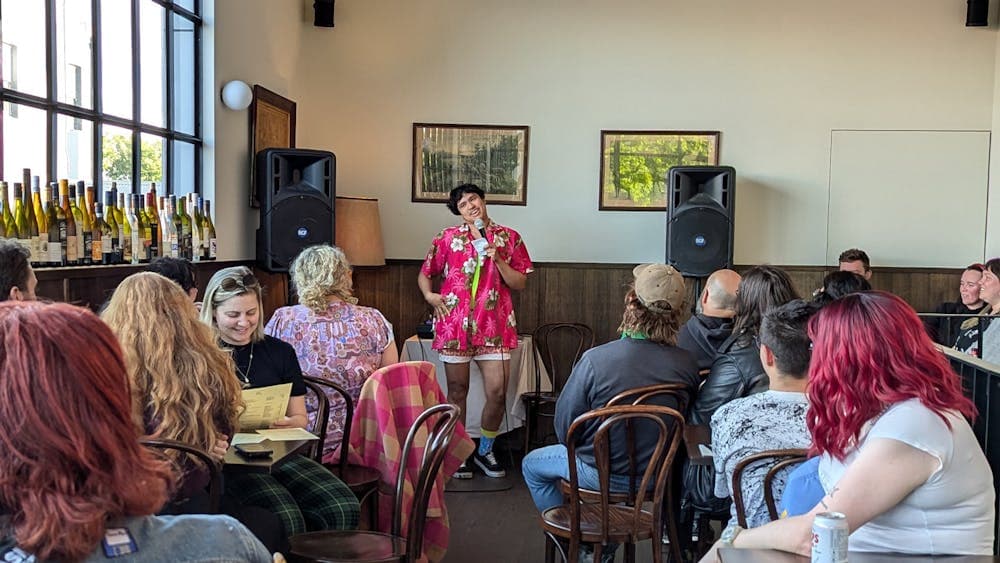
x=244, y=375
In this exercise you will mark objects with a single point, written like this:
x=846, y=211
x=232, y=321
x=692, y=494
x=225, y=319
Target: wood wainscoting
x=593, y=293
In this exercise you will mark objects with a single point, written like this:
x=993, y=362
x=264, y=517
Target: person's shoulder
x=202, y=535
x=275, y=344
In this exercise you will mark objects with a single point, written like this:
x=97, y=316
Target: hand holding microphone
x=481, y=244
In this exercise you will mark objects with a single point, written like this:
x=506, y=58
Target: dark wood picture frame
x=642, y=166
x=494, y=157
x=272, y=125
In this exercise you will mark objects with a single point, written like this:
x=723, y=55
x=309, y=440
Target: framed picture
x=272, y=125
x=494, y=157
x=634, y=165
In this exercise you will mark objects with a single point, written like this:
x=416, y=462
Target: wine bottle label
x=126, y=243
x=88, y=246
x=107, y=245
x=212, y=248
x=56, y=253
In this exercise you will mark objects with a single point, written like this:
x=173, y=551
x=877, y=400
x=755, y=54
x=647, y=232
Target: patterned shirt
x=772, y=420
x=343, y=344
x=487, y=319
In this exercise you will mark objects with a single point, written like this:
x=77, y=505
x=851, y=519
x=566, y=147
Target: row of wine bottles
x=65, y=224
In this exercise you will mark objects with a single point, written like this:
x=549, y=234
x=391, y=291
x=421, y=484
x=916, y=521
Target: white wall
x=774, y=76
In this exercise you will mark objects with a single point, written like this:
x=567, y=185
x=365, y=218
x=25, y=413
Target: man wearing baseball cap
x=646, y=354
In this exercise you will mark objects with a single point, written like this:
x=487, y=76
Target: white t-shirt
x=952, y=512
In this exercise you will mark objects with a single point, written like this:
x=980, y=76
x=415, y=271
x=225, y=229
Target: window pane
x=183, y=172
x=74, y=148
x=74, y=71
x=23, y=30
x=23, y=142
x=152, y=57
x=184, y=67
x=116, y=152
x=153, y=163
x=186, y=4
x=116, y=54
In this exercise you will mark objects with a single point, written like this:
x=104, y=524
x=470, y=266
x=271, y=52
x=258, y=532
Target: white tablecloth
x=522, y=380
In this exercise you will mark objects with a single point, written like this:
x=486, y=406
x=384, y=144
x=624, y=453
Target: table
x=698, y=435
x=732, y=555
x=237, y=463
x=522, y=380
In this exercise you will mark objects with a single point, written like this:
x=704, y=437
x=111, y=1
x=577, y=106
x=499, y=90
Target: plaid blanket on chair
x=391, y=400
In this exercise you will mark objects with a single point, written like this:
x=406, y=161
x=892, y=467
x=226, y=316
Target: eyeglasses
x=247, y=281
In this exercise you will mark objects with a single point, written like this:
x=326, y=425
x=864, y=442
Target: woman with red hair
x=75, y=483
x=898, y=457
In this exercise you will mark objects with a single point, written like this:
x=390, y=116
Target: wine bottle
x=29, y=217
x=21, y=218
x=9, y=226
x=84, y=227
x=42, y=224
x=142, y=233
x=57, y=229
x=184, y=235
x=150, y=225
x=74, y=245
x=106, y=235
x=109, y=219
x=122, y=218
x=129, y=251
x=194, y=204
x=209, y=231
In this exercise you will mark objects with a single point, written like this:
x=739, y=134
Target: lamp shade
x=359, y=230
x=237, y=95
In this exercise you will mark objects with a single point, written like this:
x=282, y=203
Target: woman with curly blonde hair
x=181, y=383
x=334, y=338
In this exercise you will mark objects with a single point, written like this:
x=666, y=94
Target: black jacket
x=703, y=336
x=736, y=372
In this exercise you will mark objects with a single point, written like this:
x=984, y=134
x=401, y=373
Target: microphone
x=481, y=243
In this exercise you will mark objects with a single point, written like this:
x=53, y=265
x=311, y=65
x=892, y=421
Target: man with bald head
x=711, y=326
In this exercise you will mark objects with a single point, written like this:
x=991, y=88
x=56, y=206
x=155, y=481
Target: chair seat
x=341, y=545
x=594, y=496
x=557, y=521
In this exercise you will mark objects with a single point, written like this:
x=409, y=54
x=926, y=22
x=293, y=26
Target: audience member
x=856, y=260
x=945, y=330
x=17, y=278
x=772, y=420
x=838, y=284
x=333, y=337
x=300, y=491
x=75, y=483
x=981, y=330
x=704, y=332
x=646, y=354
x=899, y=459
x=180, y=270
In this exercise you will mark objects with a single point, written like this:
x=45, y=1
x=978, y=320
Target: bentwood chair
x=558, y=346
x=363, y=481
x=341, y=545
x=601, y=521
x=778, y=460
x=183, y=456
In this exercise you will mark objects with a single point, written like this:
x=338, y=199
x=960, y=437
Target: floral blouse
x=343, y=344
x=487, y=319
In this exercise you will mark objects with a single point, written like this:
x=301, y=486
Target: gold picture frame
x=272, y=125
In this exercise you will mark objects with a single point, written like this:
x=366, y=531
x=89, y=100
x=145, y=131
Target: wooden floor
x=500, y=527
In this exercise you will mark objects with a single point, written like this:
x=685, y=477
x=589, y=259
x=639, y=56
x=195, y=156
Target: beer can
x=829, y=538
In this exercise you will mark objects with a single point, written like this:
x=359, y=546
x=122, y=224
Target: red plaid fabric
x=391, y=400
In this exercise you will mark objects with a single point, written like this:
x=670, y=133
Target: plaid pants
x=302, y=493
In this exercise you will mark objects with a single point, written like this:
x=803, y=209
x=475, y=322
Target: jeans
x=544, y=467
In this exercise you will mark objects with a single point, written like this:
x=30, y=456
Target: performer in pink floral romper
x=474, y=316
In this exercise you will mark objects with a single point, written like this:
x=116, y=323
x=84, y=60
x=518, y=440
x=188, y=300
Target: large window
x=103, y=91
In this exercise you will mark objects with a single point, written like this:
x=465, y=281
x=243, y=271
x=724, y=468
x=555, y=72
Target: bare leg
x=494, y=384
x=458, y=385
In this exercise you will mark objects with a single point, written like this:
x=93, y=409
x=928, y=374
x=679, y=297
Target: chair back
x=319, y=385
x=559, y=346
x=654, y=477
x=439, y=433
x=779, y=460
x=201, y=457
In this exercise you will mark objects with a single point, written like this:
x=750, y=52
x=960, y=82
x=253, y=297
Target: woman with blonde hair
x=304, y=494
x=334, y=338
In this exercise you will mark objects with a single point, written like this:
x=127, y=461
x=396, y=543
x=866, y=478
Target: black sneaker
x=488, y=463
x=464, y=471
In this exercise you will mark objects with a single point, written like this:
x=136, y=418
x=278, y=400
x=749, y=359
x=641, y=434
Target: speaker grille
x=699, y=241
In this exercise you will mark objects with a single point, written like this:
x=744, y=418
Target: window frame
x=55, y=108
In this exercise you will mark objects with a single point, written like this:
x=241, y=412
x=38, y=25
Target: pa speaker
x=323, y=13
x=978, y=13
x=700, y=208
x=297, y=190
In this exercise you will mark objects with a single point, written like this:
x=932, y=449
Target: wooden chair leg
x=373, y=510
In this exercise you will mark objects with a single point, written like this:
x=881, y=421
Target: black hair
x=838, y=284
x=783, y=331
x=15, y=263
x=179, y=270
x=456, y=195
x=855, y=254
x=761, y=288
